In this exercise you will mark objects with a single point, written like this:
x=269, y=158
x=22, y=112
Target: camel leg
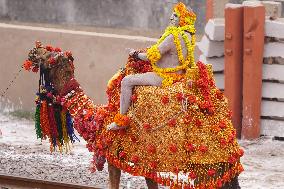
x=234, y=184
x=151, y=184
x=114, y=176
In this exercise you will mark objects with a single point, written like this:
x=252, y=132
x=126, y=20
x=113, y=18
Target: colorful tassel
x=51, y=120
x=52, y=124
x=70, y=129
x=64, y=130
x=59, y=126
x=37, y=122
x=44, y=122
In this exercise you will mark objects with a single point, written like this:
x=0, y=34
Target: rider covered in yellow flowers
x=170, y=57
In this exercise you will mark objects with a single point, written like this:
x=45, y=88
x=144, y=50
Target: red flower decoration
x=134, y=98
x=219, y=183
x=211, y=172
x=49, y=95
x=240, y=168
x=122, y=154
x=173, y=148
x=172, y=122
x=111, y=107
x=168, y=182
x=200, y=83
x=122, y=132
x=226, y=177
x=27, y=65
x=203, y=148
x=159, y=180
x=210, y=110
x=179, y=97
x=129, y=169
x=153, y=165
x=188, y=119
x=165, y=99
x=98, y=145
x=35, y=69
x=232, y=137
x=51, y=60
x=151, y=149
x=234, y=133
x=133, y=139
x=198, y=122
x=147, y=126
x=204, y=105
x=192, y=99
x=117, y=103
x=219, y=95
x=222, y=124
x=232, y=160
x=223, y=143
x=211, y=83
x=176, y=170
x=190, y=147
x=109, y=141
x=49, y=48
x=68, y=53
x=146, y=68
x=135, y=159
x=241, y=152
x=126, y=120
x=192, y=175
x=57, y=49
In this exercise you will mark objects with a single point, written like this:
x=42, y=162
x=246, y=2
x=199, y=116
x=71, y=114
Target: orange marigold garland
x=121, y=120
x=205, y=85
x=103, y=142
x=186, y=17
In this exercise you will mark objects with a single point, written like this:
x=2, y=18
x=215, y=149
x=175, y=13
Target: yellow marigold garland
x=186, y=23
x=153, y=53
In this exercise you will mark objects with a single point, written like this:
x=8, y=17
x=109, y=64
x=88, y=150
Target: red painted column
x=254, y=18
x=209, y=9
x=234, y=61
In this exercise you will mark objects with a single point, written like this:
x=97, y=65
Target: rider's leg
x=130, y=81
x=151, y=184
x=127, y=85
x=114, y=176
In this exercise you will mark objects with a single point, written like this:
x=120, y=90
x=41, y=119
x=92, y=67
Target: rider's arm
x=163, y=48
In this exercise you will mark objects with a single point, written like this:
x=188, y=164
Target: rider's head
x=182, y=16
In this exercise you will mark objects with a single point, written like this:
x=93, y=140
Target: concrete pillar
x=254, y=18
x=234, y=61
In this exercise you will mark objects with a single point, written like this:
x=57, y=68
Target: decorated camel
x=165, y=118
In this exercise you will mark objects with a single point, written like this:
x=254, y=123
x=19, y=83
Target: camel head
x=56, y=65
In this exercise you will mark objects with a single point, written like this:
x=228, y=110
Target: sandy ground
x=21, y=154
